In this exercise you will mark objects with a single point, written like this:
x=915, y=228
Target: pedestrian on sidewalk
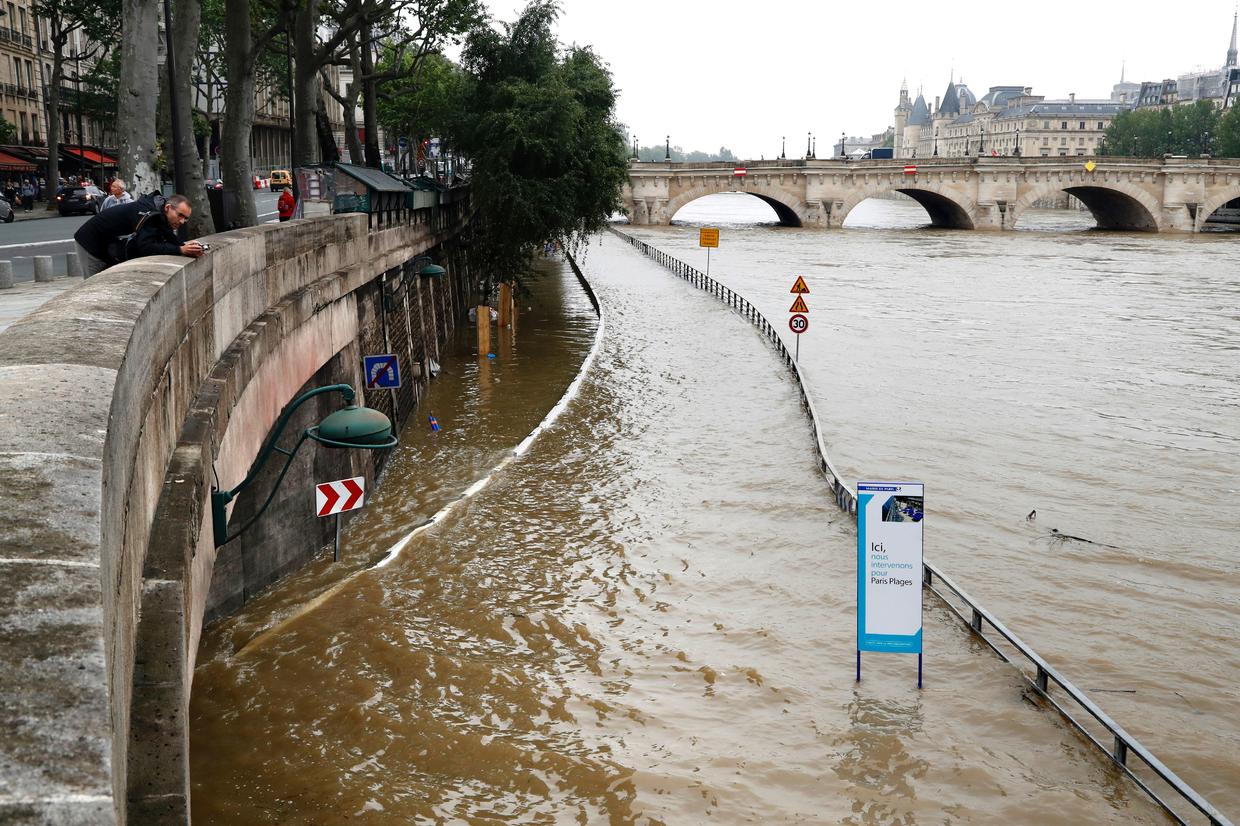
x=28, y=194
x=286, y=206
x=118, y=195
x=147, y=226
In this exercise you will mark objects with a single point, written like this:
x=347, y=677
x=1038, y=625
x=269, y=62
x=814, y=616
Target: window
x=1046, y=124
x=25, y=131
x=1080, y=141
x=34, y=127
x=1046, y=141
x=1081, y=125
x=1063, y=124
x=22, y=18
x=1063, y=153
x=30, y=75
x=1063, y=142
x=1046, y=153
x=1101, y=125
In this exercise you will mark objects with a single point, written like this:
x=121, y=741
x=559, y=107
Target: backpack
x=118, y=249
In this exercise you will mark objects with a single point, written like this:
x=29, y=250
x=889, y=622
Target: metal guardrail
x=1122, y=747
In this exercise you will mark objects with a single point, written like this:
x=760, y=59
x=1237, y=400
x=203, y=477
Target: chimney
x=1071, y=97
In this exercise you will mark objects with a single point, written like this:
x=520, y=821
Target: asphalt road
x=21, y=240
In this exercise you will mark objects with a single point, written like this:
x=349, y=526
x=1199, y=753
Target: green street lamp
x=428, y=268
x=349, y=427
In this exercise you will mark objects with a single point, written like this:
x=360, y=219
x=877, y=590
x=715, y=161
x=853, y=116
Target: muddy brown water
x=647, y=618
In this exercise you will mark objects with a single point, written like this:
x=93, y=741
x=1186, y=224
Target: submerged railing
x=1098, y=727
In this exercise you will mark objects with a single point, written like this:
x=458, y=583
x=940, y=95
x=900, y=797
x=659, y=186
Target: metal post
x=292, y=111
x=919, y=669
x=798, y=356
x=858, y=665
x=336, y=555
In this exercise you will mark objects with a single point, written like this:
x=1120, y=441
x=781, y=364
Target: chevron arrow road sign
x=340, y=496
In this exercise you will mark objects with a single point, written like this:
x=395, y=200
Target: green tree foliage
x=422, y=102
x=8, y=132
x=538, y=123
x=1228, y=143
x=679, y=155
x=1191, y=129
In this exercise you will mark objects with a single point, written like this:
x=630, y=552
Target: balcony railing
x=12, y=35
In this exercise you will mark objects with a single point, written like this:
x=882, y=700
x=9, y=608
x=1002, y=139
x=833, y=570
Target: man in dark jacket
x=148, y=226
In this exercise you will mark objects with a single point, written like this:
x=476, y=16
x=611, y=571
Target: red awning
x=90, y=155
x=9, y=163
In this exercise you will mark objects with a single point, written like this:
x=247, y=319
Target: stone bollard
x=43, y=268
x=73, y=265
x=6, y=274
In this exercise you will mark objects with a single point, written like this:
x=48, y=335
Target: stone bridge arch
x=1115, y=205
x=946, y=208
x=1223, y=196
x=789, y=206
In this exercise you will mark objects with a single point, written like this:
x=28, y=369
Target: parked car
x=281, y=179
x=6, y=211
x=73, y=200
x=214, y=184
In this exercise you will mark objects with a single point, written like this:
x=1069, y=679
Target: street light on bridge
x=936, y=141
x=783, y=147
x=813, y=152
x=980, y=143
x=667, y=149
x=1017, y=152
x=843, y=140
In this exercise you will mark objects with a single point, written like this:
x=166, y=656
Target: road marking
x=41, y=243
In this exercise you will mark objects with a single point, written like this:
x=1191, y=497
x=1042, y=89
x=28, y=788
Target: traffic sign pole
x=336, y=555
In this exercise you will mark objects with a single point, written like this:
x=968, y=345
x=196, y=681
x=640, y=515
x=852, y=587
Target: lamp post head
x=354, y=426
x=430, y=271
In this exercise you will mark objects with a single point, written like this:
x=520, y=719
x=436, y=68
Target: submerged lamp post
x=349, y=427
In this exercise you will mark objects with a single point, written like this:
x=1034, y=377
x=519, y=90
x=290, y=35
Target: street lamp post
x=808, y=137
x=635, y=155
x=667, y=149
x=936, y=141
x=843, y=140
x=1017, y=152
x=981, y=141
x=813, y=152
x=783, y=147
x=967, y=140
x=351, y=426
x=1205, y=144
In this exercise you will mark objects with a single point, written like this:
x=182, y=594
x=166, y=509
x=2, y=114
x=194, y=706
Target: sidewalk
x=40, y=211
x=27, y=296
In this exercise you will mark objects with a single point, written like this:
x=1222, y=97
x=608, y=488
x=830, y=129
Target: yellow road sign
x=708, y=237
x=800, y=287
x=1090, y=166
x=798, y=306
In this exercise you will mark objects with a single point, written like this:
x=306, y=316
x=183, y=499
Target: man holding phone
x=148, y=226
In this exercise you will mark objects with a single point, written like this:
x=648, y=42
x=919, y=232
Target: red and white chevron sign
x=341, y=496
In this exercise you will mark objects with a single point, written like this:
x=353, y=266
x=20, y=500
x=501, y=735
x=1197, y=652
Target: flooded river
x=650, y=616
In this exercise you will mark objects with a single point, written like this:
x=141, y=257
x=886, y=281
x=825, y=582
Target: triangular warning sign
x=798, y=306
x=800, y=287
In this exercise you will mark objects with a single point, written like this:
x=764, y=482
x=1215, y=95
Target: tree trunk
x=305, y=88
x=53, y=123
x=239, y=104
x=350, y=105
x=185, y=24
x=137, y=95
x=369, y=117
x=328, y=149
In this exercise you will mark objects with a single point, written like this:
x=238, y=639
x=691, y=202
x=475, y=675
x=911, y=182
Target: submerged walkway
x=648, y=618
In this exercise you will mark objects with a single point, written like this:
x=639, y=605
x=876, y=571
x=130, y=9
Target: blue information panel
x=382, y=371
x=889, y=552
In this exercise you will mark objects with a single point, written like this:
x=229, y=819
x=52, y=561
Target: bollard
x=6, y=275
x=73, y=265
x=43, y=268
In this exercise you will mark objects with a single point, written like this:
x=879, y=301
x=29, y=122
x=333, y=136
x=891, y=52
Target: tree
x=419, y=103
x=539, y=125
x=8, y=132
x=96, y=20
x=1150, y=133
x=1227, y=144
x=138, y=95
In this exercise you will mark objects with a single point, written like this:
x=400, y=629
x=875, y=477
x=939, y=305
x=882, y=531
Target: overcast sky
x=715, y=74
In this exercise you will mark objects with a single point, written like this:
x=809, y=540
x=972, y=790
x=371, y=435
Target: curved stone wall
x=112, y=395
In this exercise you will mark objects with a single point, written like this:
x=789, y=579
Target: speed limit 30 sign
x=798, y=323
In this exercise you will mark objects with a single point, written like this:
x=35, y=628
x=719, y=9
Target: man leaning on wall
x=150, y=225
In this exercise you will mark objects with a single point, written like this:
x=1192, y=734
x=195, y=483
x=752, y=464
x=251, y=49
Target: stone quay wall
x=122, y=402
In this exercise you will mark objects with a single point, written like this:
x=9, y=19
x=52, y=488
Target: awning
x=89, y=155
x=375, y=179
x=8, y=163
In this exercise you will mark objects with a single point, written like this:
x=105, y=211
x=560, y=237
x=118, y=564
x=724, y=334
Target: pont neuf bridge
x=1170, y=194
x=126, y=400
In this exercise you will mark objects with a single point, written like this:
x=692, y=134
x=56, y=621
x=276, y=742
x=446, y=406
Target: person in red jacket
x=286, y=205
